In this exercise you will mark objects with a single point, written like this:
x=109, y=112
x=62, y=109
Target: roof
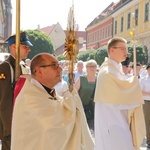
x=113, y=7
x=108, y=11
x=47, y=30
x=60, y=50
x=81, y=34
x=103, y=14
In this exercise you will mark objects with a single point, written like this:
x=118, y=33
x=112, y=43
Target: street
x=143, y=146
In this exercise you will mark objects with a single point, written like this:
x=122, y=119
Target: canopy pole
x=132, y=33
x=17, y=65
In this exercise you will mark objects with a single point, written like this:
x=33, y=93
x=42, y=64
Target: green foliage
x=91, y=55
x=141, y=55
x=41, y=43
x=86, y=55
x=61, y=57
x=101, y=54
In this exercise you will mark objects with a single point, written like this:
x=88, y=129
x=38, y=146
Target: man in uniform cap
x=7, y=80
x=23, y=39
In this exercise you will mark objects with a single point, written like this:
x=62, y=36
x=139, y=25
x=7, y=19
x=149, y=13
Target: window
x=92, y=37
x=136, y=16
x=146, y=12
x=122, y=22
x=88, y=41
x=103, y=33
x=108, y=30
x=97, y=35
x=129, y=21
x=100, y=34
x=115, y=27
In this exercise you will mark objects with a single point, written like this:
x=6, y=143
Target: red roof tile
x=48, y=30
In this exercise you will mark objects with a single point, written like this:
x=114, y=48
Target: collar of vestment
x=117, y=65
x=49, y=91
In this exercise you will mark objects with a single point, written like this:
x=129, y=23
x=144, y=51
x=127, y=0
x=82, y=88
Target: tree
x=141, y=55
x=91, y=55
x=86, y=55
x=101, y=54
x=61, y=57
x=41, y=43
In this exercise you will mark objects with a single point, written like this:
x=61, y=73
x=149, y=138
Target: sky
x=48, y=12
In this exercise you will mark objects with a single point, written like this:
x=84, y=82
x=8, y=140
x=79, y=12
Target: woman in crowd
x=85, y=85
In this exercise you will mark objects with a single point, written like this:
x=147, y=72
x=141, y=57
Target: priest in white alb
x=119, y=121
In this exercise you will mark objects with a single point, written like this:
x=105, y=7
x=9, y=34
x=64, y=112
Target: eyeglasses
x=91, y=66
x=122, y=48
x=54, y=66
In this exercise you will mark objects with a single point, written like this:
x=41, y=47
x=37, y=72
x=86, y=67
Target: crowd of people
x=107, y=101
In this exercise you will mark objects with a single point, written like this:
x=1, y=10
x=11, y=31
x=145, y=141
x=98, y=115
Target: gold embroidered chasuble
x=44, y=124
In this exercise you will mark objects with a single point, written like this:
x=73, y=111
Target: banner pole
x=17, y=65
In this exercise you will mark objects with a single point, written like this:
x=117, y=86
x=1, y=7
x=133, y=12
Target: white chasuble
x=40, y=123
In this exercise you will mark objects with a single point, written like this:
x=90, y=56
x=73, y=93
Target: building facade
x=99, y=31
x=7, y=10
x=5, y=23
x=58, y=36
x=121, y=19
x=134, y=17
x=99, y=34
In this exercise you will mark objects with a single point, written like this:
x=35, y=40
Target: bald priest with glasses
x=41, y=119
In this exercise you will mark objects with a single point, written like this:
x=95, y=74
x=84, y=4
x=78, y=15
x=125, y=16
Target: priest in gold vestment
x=41, y=119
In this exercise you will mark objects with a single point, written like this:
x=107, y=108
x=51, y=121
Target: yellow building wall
x=141, y=29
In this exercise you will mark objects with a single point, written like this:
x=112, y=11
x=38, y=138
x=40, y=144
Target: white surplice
x=112, y=125
x=112, y=130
